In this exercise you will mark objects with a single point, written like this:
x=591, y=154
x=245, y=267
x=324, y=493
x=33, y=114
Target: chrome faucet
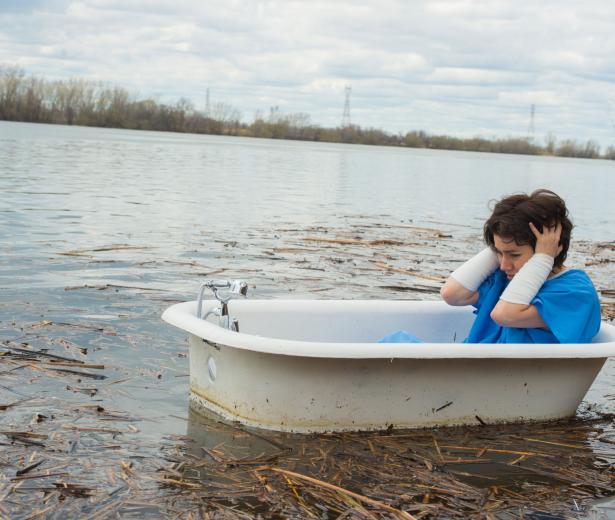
x=235, y=288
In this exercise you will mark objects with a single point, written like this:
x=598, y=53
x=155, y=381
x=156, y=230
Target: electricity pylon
x=530, y=128
x=346, y=115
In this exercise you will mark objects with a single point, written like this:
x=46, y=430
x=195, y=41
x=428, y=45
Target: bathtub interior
x=351, y=321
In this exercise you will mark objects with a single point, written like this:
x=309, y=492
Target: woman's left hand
x=548, y=242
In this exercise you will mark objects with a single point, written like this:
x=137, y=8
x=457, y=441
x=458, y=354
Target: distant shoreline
x=82, y=102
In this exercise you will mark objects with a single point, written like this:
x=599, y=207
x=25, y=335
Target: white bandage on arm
x=472, y=273
x=527, y=282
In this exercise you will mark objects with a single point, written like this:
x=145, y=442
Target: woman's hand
x=548, y=242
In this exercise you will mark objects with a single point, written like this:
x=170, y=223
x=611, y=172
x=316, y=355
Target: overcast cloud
x=458, y=67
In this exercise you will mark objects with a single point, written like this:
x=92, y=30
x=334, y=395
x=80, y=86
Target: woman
x=519, y=285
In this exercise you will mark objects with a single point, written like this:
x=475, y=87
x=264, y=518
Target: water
x=102, y=229
x=150, y=186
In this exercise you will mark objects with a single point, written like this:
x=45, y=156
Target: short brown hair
x=511, y=217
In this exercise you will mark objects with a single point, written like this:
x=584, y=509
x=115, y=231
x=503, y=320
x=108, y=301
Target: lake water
x=151, y=186
x=101, y=229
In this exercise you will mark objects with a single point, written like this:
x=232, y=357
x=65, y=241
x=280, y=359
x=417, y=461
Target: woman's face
x=512, y=257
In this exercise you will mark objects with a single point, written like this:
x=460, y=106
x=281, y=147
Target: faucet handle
x=217, y=284
x=239, y=287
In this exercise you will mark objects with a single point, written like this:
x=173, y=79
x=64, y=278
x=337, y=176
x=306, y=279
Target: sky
x=458, y=67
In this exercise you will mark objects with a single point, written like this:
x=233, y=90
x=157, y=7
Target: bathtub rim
x=183, y=316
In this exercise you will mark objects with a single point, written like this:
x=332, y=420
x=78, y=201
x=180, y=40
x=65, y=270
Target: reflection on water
x=207, y=431
x=587, y=440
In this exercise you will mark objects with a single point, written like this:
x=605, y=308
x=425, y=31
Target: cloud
x=454, y=66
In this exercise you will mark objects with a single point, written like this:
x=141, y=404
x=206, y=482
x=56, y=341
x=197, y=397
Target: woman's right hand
x=548, y=242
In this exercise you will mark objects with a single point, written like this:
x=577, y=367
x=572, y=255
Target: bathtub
x=316, y=366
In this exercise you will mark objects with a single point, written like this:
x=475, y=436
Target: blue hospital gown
x=567, y=303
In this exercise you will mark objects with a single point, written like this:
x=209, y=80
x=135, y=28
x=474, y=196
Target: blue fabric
x=567, y=303
x=401, y=336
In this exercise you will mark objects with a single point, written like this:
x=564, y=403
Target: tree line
x=91, y=103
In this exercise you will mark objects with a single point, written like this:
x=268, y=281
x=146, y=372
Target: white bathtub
x=314, y=366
